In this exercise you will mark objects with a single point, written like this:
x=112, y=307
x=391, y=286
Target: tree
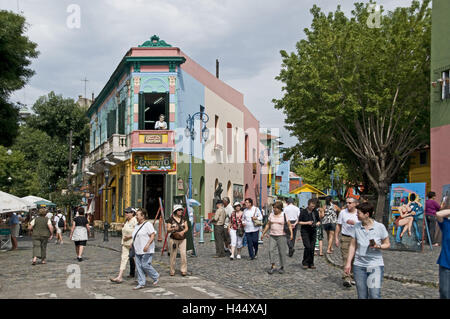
x=361, y=94
x=16, y=50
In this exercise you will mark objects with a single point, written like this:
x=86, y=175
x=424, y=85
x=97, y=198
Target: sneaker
x=281, y=271
x=155, y=283
x=238, y=257
x=231, y=258
x=80, y=259
x=347, y=284
x=353, y=282
x=256, y=257
x=271, y=271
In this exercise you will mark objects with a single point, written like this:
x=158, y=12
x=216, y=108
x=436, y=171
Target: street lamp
x=190, y=132
x=106, y=172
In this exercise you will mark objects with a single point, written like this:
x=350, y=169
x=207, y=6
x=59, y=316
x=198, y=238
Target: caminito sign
x=154, y=162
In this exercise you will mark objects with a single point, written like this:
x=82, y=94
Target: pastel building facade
x=440, y=97
x=132, y=164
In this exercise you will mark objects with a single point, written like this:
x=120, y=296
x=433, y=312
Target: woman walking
x=80, y=233
x=42, y=232
x=252, y=221
x=144, y=248
x=277, y=225
x=329, y=222
x=177, y=227
x=127, y=239
x=369, y=238
x=236, y=230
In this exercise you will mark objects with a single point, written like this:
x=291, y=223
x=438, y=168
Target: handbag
x=177, y=235
x=257, y=222
x=286, y=226
x=132, y=252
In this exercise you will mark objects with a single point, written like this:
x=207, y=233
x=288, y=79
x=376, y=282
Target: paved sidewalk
x=404, y=266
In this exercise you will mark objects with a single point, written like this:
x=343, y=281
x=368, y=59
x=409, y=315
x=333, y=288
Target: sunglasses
x=349, y=202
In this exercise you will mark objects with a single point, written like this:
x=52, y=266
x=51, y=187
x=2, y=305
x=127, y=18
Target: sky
x=246, y=37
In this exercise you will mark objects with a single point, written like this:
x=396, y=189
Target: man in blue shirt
x=14, y=227
x=443, y=218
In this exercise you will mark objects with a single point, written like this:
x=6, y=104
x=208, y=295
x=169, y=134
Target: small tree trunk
x=379, y=212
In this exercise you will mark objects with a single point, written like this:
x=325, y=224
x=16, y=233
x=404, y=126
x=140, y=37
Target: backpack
x=61, y=222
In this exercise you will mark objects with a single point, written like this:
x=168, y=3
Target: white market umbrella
x=10, y=203
x=34, y=199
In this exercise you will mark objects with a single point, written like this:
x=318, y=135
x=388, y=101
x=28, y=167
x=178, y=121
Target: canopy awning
x=10, y=203
x=306, y=188
x=45, y=203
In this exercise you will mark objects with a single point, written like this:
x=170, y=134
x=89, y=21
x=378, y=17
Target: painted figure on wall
x=406, y=216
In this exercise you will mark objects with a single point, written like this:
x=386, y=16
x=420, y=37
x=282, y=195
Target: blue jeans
x=368, y=281
x=444, y=282
x=144, y=267
x=252, y=240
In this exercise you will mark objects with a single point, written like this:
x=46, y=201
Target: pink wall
x=440, y=158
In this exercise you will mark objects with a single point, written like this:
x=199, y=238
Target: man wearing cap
x=127, y=240
x=219, y=232
x=292, y=213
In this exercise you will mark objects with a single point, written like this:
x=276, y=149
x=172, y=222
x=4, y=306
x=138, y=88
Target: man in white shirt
x=229, y=210
x=60, y=227
x=251, y=214
x=161, y=124
x=346, y=225
x=292, y=213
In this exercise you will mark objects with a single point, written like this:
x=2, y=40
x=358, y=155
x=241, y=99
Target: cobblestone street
x=209, y=277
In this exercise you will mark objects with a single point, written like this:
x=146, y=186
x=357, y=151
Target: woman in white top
x=161, y=124
x=127, y=239
x=369, y=238
x=144, y=247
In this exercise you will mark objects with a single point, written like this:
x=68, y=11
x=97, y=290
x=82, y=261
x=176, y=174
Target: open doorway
x=153, y=190
x=155, y=104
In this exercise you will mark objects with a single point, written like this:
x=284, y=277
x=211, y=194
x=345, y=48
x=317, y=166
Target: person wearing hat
x=219, y=232
x=236, y=230
x=177, y=226
x=127, y=240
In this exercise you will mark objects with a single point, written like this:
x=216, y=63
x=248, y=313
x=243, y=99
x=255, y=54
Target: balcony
x=153, y=141
x=113, y=149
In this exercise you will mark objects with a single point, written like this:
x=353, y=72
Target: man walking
x=292, y=213
x=60, y=225
x=14, y=228
x=431, y=207
x=251, y=216
x=219, y=232
x=346, y=225
x=228, y=209
x=309, y=220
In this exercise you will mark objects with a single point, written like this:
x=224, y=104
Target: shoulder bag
x=257, y=222
x=240, y=230
x=132, y=252
x=177, y=235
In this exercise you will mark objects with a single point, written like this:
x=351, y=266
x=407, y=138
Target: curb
x=401, y=279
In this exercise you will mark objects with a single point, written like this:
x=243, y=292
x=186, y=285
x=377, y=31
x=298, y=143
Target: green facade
x=440, y=61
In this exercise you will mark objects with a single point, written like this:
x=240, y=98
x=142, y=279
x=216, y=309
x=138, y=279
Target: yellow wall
x=420, y=173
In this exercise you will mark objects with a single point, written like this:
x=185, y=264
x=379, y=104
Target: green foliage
x=68, y=199
x=15, y=53
x=360, y=94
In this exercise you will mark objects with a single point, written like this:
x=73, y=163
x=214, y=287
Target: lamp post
x=262, y=161
x=190, y=132
x=106, y=225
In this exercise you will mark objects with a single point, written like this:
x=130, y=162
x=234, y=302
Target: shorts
x=14, y=230
x=58, y=230
x=329, y=227
x=80, y=243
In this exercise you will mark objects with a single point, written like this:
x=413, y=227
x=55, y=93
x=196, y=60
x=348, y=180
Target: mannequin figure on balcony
x=161, y=124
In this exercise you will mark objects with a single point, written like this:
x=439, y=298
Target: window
x=111, y=123
x=246, y=147
x=121, y=129
x=445, y=85
x=423, y=158
x=151, y=106
x=229, y=139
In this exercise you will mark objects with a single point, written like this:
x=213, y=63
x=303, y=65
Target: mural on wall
x=406, y=223
x=445, y=191
x=238, y=193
